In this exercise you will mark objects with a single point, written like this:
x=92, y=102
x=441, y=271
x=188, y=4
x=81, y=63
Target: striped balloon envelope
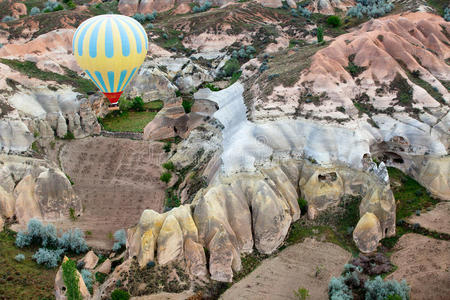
x=110, y=49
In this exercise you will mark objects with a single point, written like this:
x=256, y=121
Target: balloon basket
x=113, y=107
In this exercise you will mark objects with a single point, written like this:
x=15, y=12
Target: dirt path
x=425, y=265
x=116, y=180
x=309, y=264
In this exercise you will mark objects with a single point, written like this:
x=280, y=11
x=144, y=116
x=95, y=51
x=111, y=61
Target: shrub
x=250, y=49
x=151, y=17
x=52, y=6
x=167, y=147
x=206, y=6
x=173, y=201
x=338, y=290
x=319, y=35
x=168, y=166
x=380, y=289
x=100, y=277
x=120, y=237
x=8, y=18
x=370, y=8
x=187, y=105
x=150, y=26
x=70, y=279
x=230, y=67
x=334, y=21
x=263, y=67
x=303, y=204
x=73, y=240
x=139, y=17
x=23, y=239
x=302, y=294
x=87, y=278
x=447, y=14
x=242, y=53
x=47, y=257
x=165, y=36
x=138, y=104
x=119, y=294
x=19, y=257
x=165, y=177
x=34, y=11
x=125, y=104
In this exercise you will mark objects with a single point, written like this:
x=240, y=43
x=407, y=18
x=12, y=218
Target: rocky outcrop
x=435, y=175
x=271, y=3
x=41, y=191
x=367, y=233
x=328, y=7
x=61, y=289
x=90, y=260
x=14, y=136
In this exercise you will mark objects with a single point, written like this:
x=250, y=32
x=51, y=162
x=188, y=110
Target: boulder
x=367, y=233
x=170, y=241
x=90, y=260
x=14, y=136
x=435, y=176
x=18, y=9
x=192, y=76
x=105, y=267
x=7, y=204
x=61, y=127
x=291, y=3
x=195, y=258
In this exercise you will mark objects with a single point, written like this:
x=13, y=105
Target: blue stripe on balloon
x=136, y=37
x=111, y=81
x=109, y=40
x=100, y=79
x=93, y=39
x=138, y=25
x=124, y=39
x=121, y=79
x=92, y=78
x=82, y=34
x=129, y=78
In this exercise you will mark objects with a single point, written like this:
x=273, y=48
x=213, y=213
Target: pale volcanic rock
x=148, y=6
x=7, y=204
x=27, y=207
x=90, y=260
x=2, y=223
x=151, y=83
x=128, y=7
x=435, y=175
x=170, y=241
x=18, y=10
x=328, y=7
x=14, y=136
x=195, y=258
x=367, y=233
x=181, y=9
x=105, y=267
x=61, y=289
x=50, y=51
x=271, y=3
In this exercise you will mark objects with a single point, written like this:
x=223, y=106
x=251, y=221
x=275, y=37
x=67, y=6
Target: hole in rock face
x=385, y=231
x=391, y=157
x=328, y=177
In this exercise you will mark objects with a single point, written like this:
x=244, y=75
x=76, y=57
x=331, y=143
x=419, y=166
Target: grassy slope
x=23, y=280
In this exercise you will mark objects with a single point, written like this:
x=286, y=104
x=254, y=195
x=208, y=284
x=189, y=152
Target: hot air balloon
x=110, y=49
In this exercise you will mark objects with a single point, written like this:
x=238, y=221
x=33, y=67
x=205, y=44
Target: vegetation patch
x=133, y=118
x=352, y=68
x=403, y=89
x=71, y=78
x=71, y=280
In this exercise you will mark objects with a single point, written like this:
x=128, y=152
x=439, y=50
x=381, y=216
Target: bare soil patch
x=309, y=265
x=425, y=264
x=116, y=180
x=437, y=219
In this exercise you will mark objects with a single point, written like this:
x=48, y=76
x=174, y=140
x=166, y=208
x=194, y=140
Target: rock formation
x=30, y=188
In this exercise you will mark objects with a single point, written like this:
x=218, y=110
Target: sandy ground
x=437, y=219
x=425, y=264
x=293, y=268
x=116, y=180
x=166, y=296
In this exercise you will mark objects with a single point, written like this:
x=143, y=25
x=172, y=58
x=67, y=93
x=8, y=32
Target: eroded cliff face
x=32, y=188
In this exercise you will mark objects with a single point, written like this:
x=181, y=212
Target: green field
x=26, y=279
x=131, y=121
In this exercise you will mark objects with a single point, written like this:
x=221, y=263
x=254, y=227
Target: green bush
x=87, y=278
x=303, y=204
x=168, y=166
x=70, y=279
x=69, y=135
x=138, y=104
x=120, y=238
x=380, y=289
x=165, y=177
x=334, y=21
x=100, y=277
x=319, y=35
x=173, y=201
x=187, y=105
x=167, y=147
x=119, y=294
x=231, y=67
